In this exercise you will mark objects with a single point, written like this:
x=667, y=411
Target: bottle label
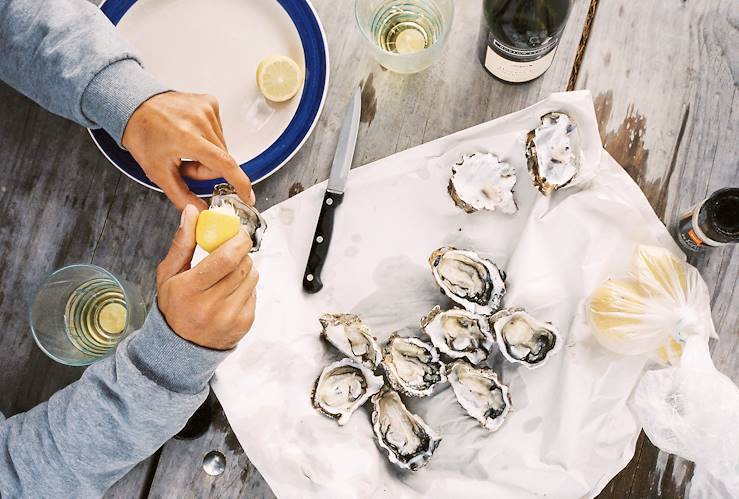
x=516, y=71
x=522, y=53
x=689, y=233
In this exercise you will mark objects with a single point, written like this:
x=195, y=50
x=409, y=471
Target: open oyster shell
x=481, y=182
x=480, y=393
x=475, y=283
x=251, y=220
x=459, y=333
x=523, y=339
x=554, y=153
x=342, y=388
x=412, y=366
x=352, y=338
x=408, y=441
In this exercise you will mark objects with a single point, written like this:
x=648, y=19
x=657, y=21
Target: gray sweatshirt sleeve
x=123, y=408
x=67, y=56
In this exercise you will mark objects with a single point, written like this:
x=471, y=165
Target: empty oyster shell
x=342, y=388
x=251, y=220
x=412, y=366
x=554, y=153
x=523, y=339
x=459, y=333
x=481, y=182
x=480, y=393
x=352, y=338
x=407, y=439
x=470, y=280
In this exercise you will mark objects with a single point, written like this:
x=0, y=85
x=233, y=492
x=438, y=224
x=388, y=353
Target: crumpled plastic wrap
x=570, y=429
x=692, y=410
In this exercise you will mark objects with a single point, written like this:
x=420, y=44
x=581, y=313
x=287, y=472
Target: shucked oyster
x=554, y=152
x=480, y=393
x=412, y=366
x=352, y=338
x=524, y=339
x=407, y=439
x=459, y=333
x=342, y=388
x=251, y=220
x=481, y=182
x=468, y=279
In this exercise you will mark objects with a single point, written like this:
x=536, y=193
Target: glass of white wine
x=82, y=312
x=405, y=36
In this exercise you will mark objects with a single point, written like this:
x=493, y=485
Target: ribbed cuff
x=169, y=360
x=115, y=93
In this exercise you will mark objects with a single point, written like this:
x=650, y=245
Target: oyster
x=554, y=152
x=481, y=182
x=459, y=333
x=342, y=388
x=251, y=220
x=352, y=338
x=468, y=279
x=480, y=393
x=524, y=339
x=412, y=366
x=407, y=439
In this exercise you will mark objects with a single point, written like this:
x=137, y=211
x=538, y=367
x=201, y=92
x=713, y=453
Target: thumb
x=183, y=246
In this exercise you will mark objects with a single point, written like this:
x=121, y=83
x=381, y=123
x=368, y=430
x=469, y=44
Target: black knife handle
x=321, y=241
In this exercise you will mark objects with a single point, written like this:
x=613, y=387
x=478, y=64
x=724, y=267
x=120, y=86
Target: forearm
x=67, y=56
x=123, y=408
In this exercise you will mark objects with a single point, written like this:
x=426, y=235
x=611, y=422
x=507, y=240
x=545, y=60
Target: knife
x=334, y=194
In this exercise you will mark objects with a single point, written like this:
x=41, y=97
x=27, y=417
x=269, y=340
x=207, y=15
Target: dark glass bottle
x=518, y=38
x=712, y=222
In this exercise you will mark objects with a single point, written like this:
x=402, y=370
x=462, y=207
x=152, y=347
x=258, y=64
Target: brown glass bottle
x=712, y=222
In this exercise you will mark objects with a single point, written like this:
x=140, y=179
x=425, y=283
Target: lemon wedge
x=279, y=78
x=216, y=226
x=112, y=318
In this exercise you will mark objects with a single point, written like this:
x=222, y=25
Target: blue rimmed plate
x=214, y=47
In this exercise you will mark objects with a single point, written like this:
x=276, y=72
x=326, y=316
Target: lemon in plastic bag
x=654, y=309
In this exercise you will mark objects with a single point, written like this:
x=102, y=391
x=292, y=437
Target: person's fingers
x=175, y=188
x=197, y=171
x=220, y=161
x=230, y=283
x=221, y=262
x=183, y=245
x=246, y=287
x=215, y=120
x=248, y=312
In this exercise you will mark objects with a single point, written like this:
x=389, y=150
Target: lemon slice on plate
x=279, y=78
x=216, y=226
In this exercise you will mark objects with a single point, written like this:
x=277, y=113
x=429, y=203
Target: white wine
x=518, y=38
x=95, y=316
x=406, y=27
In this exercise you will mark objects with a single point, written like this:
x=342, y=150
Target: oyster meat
x=482, y=182
x=342, y=388
x=412, y=366
x=470, y=280
x=459, y=333
x=407, y=439
x=480, y=393
x=251, y=220
x=554, y=152
x=352, y=338
x=523, y=339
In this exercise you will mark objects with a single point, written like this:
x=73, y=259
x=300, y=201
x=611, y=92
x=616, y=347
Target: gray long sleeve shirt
x=65, y=55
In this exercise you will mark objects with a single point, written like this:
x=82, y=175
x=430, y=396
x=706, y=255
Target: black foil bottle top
x=719, y=216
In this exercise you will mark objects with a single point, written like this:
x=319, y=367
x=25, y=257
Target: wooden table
x=664, y=76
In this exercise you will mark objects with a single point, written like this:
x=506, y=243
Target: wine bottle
x=518, y=38
x=712, y=222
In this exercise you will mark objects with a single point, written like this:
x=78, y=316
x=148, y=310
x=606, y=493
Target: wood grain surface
x=665, y=78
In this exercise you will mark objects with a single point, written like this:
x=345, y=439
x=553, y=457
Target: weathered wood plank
x=665, y=75
x=398, y=112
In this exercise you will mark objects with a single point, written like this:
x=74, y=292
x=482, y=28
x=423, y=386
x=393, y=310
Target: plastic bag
x=654, y=309
x=693, y=411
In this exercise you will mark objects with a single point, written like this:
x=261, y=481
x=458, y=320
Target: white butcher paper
x=570, y=429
